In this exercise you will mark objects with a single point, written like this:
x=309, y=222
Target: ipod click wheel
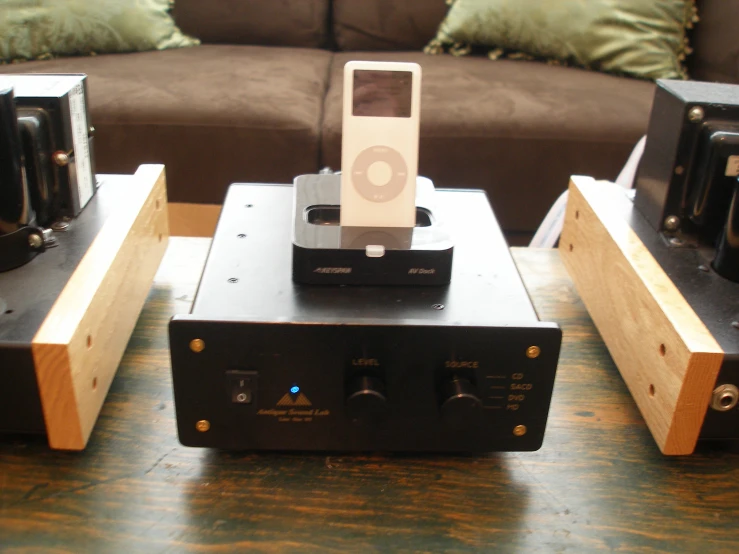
x=379, y=148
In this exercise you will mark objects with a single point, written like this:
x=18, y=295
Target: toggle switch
x=242, y=386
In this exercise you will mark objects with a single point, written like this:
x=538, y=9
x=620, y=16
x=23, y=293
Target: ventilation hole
x=651, y=390
x=662, y=350
x=94, y=383
x=571, y=248
x=8, y=311
x=160, y=237
x=577, y=214
x=158, y=204
x=89, y=341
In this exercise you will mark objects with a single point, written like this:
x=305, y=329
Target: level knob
x=366, y=402
x=459, y=403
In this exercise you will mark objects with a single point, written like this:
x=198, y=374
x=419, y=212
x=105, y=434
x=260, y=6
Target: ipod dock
x=326, y=253
x=265, y=363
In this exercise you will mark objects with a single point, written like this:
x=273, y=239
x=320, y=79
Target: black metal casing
x=46, y=164
x=668, y=176
x=264, y=363
x=51, y=110
x=685, y=212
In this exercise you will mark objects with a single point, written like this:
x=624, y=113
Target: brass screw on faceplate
x=203, y=425
x=197, y=345
x=519, y=430
x=533, y=352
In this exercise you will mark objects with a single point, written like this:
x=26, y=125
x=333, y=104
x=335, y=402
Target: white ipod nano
x=379, y=145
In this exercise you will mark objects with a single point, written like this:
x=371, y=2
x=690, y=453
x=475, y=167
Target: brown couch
x=260, y=100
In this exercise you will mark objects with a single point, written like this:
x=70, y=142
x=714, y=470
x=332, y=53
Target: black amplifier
x=264, y=363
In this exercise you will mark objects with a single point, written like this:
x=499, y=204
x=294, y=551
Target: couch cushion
x=43, y=28
x=212, y=114
x=516, y=129
x=715, y=43
x=640, y=38
x=386, y=24
x=263, y=22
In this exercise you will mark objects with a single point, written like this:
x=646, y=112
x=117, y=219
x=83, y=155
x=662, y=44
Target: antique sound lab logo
x=300, y=400
x=294, y=407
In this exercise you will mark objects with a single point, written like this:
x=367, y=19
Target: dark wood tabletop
x=598, y=482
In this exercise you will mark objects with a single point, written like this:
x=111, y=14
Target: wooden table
x=599, y=482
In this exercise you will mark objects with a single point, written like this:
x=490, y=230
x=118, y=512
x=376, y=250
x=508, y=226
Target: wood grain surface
x=666, y=355
x=79, y=346
x=598, y=483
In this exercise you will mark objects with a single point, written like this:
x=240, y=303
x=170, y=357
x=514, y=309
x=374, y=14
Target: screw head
x=203, y=425
x=672, y=222
x=679, y=170
x=60, y=158
x=35, y=241
x=197, y=345
x=696, y=114
x=533, y=352
x=437, y=306
x=519, y=430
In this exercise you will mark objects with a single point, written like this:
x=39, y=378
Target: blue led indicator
x=295, y=389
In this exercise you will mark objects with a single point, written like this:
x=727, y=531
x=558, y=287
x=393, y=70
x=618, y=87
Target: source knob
x=366, y=402
x=460, y=405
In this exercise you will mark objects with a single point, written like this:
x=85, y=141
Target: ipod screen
x=382, y=93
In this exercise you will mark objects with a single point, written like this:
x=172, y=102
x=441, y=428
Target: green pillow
x=640, y=38
x=31, y=29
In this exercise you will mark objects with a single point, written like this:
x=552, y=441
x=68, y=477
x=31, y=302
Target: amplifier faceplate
x=263, y=363
x=299, y=379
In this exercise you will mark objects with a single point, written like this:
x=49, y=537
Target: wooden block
x=667, y=357
x=78, y=347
